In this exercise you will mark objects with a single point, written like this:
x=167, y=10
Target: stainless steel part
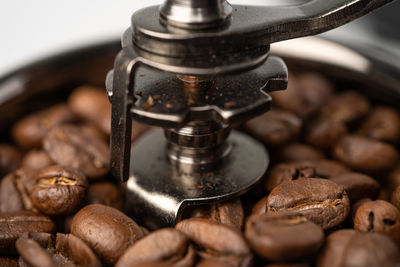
x=218, y=70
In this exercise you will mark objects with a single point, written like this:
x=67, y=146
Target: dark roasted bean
x=106, y=230
x=260, y=207
x=217, y=241
x=321, y=201
x=105, y=193
x=288, y=171
x=14, y=191
x=10, y=159
x=30, y=131
x=37, y=160
x=351, y=248
x=383, y=123
x=299, y=152
x=304, y=95
x=58, y=190
x=68, y=146
x=14, y=224
x=228, y=212
x=323, y=134
x=166, y=245
x=326, y=168
x=366, y=155
x=345, y=107
x=357, y=186
x=283, y=236
x=275, y=127
x=378, y=216
x=395, y=199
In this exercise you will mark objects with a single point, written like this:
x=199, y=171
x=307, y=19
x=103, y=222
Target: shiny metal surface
x=158, y=190
x=195, y=14
x=191, y=63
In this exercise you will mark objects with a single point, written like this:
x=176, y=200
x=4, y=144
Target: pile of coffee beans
x=331, y=196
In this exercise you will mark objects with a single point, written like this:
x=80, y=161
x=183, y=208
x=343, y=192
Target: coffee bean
x=217, y=241
x=106, y=230
x=393, y=179
x=351, y=248
x=383, y=123
x=14, y=191
x=346, y=107
x=357, y=186
x=283, y=236
x=92, y=104
x=30, y=131
x=228, y=212
x=37, y=160
x=288, y=171
x=275, y=127
x=260, y=207
x=105, y=193
x=14, y=224
x=299, y=152
x=378, y=216
x=355, y=206
x=43, y=249
x=166, y=245
x=8, y=262
x=305, y=94
x=365, y=155
x=323, y=134
x=395, y=199
x=68, y=146
x=10, y=159
x=58, y=190
x=321, y=201
x=326, y=168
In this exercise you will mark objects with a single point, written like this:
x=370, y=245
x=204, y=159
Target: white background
x=32, y=29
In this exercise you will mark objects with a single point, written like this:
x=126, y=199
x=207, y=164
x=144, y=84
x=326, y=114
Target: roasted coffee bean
x=275, y=127
x=43, y=249
x=355, y=206
x=14, y=191
x=93, y=130
x=106, y=230
x=166, y=245
x=8, y=262
x=288, y=171
x=321, y=201
x=357, y=185
x=378, y=216
x=105, y=193
x=383, y=123
x=37, y=159
x=395, y=199
x=345, y=107
x=260, y=207
x=305, y=94
x=58, y=190
x=30, y=131
x=92, y=104
x=326, y=168
x=366, y=155
x=323, y=134
x=14, y=224
x=10, y=159
x=228, y=212
x=351, y=248
x=217, y=241
x=283, y=236
x=299, y=152
x=68, y=146
x=393, y=179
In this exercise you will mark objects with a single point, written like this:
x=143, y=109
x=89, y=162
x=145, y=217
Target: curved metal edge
x=250, y=28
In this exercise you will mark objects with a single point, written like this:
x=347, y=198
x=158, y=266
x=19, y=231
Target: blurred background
x=31, y=30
